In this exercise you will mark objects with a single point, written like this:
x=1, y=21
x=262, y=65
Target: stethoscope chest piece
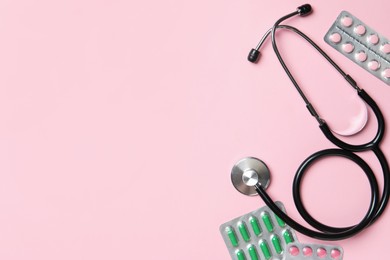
x=247, y=172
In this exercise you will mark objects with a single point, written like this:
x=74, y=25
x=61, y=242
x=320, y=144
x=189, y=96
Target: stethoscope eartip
x=304, y=10
x=253, y=55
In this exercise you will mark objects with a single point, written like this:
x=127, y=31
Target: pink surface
x=121, y=120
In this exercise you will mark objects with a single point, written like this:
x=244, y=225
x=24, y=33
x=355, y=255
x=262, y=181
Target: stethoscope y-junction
x=251, y=176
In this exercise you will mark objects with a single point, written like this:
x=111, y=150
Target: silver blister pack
x=361, y=44
x=259, y=234
x=299, y=251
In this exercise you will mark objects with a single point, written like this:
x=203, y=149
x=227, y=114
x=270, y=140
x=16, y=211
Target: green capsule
x=264, y=247
x=244, y=231
x=276, y=242
x=281, y=223
x=253, y=252
x=255, y=225
x=240, y=255
x=288, y=237
x=232, y=236
x=267, y=221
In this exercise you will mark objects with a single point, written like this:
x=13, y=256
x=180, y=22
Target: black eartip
x=253, y=55
x=304, y=10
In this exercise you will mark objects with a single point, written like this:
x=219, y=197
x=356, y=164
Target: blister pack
x=361, y=44
x=299, y=251
x=259, y=234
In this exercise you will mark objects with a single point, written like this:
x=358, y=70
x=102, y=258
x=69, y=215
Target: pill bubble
x=288, y=237
x=348, y=47
x=361, y=56
x=386, y=73
x=307, y=251
x=360, y=30
x=240, y=255
x=373, y=65
x=346, y=21
x=293, y=250
x=335, y=37
x=373, y=39
x=385, y=48
x=321, y=252
x=335, y=253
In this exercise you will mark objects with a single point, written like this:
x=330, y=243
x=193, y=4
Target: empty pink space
x=120, y=122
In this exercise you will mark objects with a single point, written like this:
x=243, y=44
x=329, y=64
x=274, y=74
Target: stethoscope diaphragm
x=247, y=172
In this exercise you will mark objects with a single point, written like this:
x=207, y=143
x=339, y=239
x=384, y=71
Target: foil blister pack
x=261, y=234
x=361, y=44
x=297, y=251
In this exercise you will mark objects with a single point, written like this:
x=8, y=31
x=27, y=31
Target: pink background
x=120, y=122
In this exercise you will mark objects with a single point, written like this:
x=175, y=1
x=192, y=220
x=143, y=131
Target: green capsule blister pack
x=259, y=234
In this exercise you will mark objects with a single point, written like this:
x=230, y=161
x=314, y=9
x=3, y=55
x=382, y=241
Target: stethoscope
x=251, y=176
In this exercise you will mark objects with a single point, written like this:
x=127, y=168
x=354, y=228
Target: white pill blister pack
x=361, y=44
x=298, y=251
